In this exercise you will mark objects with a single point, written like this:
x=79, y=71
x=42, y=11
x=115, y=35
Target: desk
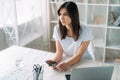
x=32, y=56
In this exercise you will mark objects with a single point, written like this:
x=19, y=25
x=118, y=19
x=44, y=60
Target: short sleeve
x=87, y=34
x=56, y=33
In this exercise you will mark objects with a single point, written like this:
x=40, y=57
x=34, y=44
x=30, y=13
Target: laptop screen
x=91, y=73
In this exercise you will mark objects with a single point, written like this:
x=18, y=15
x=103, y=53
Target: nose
x=61, y=17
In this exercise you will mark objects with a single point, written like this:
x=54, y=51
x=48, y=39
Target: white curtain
x=25, y=23
x=45, y=19
x=8, y=23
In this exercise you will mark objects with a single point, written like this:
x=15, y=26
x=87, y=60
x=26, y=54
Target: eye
x=66, y=14
x=59, y=14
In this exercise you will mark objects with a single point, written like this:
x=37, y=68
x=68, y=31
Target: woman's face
x=64, y=17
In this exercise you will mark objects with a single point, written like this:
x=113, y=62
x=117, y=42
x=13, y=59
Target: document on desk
x=16, y=75
x=7, y=63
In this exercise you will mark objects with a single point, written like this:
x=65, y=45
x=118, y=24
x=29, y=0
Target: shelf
x=81, y=13
x=114, y=5
x=116, y=47
x=96, y=26
x=113, y=39
x=99, y=43
x=96, y=15
x=101, y=16
x=114, y=16
x=98, y=1
x=113, y=27
x=114, y=2
x=99, y=53
x=112, y=55
x=78, y=3
x=92, y=4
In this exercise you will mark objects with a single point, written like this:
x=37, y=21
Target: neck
x=69, y=31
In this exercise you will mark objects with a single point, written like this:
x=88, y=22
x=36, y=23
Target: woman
x=72, y=39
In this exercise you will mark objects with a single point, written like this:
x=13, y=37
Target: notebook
x=91, y=73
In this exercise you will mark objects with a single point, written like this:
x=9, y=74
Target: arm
x=58, y=55
x=80, y=52
x=59, y=52
x=76, y=58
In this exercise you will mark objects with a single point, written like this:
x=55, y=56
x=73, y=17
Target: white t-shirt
x=69, y=45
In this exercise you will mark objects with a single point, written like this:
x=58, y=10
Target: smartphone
x=51, y=63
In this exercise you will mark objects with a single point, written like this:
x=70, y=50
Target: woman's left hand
x=63, y=66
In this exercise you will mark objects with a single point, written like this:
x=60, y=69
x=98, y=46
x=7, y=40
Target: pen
x=40, y=69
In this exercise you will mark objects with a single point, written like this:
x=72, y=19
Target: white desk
x=32, y=56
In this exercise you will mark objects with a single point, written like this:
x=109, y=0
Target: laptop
x=91, y=73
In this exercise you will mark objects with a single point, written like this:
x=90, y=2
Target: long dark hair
x=74, y=15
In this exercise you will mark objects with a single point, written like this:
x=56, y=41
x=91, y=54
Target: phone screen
x=51, y=63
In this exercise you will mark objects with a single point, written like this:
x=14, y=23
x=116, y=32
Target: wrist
x=67, y=66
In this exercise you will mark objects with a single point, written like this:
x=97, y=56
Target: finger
x=58, y=68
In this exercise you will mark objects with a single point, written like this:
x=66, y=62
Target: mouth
x=63, y=23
